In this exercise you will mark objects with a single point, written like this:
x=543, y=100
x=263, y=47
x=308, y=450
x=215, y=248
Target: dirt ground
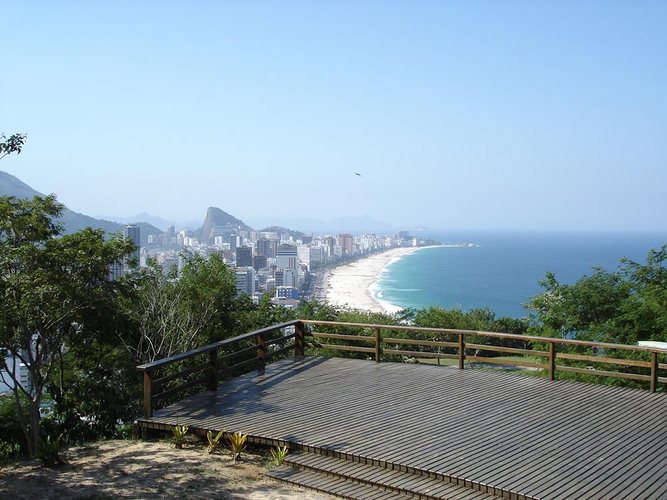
x=139, y=469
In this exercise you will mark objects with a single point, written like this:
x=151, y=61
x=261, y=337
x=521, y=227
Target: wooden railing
x=169, y=377
x=469, y=346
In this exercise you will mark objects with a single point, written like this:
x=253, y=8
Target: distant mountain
x=219, y=223
x=355, y=225
x=72, y=221
x=297, y=235
x=146, y=230
x=364, y=224
x=154, y=220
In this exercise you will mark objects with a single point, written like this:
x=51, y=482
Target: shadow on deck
x=498, y=433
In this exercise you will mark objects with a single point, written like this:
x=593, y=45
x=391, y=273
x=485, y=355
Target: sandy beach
x=351, y=285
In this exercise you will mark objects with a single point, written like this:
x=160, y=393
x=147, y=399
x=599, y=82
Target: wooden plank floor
x=543, y=439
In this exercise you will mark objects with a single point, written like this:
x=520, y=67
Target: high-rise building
x=346, y=242
x=270, y=285
x=330, y=242
x=245, y=281
x=287, y=258
x=267, y=247
x=243, y=256
x=303, y=253
x=318, y=254
x=235, y=241
x=285, y=277
x=279, y=277
x=258, y=262
x=133, y=234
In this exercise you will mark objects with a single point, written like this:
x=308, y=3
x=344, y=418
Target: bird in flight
x=357, y=173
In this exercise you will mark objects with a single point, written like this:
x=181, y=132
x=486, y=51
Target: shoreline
x=353, y=285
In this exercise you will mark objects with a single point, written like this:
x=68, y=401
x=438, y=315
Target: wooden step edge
x=488, y=489
x=331, y=485
x=362, y=459
x=422, y=491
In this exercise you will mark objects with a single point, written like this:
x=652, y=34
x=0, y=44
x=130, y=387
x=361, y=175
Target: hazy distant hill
x=73, y=221
x=297, y=235
x=219, y=223
x=154, y=220
x=354, y=225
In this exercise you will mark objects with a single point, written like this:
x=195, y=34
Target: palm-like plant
x=213, y=442
x=237, y=443
x=278, y=453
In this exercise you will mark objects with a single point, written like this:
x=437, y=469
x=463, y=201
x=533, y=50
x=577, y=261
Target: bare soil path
x=139, y=469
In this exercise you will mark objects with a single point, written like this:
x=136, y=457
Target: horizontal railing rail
x=456, y=346
x=216, y=365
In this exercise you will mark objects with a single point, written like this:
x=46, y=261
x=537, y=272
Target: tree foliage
x=12, y=144
x=53, y=288
x=624, y=306
x=170, y=315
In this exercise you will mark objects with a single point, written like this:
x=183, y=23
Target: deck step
x=388, y=480
x=334, y=485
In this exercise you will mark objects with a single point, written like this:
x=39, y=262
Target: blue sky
x=458, y=115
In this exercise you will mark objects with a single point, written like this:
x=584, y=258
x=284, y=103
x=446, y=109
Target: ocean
x=502, y=271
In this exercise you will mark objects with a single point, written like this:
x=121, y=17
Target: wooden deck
x=506, y=434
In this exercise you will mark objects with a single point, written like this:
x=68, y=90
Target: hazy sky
x=461, y=115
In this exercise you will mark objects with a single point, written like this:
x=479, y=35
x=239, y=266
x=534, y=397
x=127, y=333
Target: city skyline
x=457, y=116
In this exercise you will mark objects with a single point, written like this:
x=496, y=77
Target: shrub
x=278, y=453
x=11, y=432
x=237, y=443
x=179, y=435
x=49, y=451
x=8, y=451
x=213, y=442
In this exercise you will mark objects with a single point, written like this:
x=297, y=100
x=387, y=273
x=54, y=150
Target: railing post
x=213, y=373
x=654, y=371
x=299, y=339
x=461, y=351
x=261, y=352
x=552, y=361
x=148, y=394
x=378, y=346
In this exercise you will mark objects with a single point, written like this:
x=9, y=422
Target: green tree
x=645, y=311
x=624, y=306
x=173, y=314
x=208, y=283
x=249, y=316
x=438, y=317
x=585, y=309
x=53, y=287
x=12, y=144
x=476, y=319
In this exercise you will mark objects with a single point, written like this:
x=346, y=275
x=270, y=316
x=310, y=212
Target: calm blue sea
x=503, y=271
